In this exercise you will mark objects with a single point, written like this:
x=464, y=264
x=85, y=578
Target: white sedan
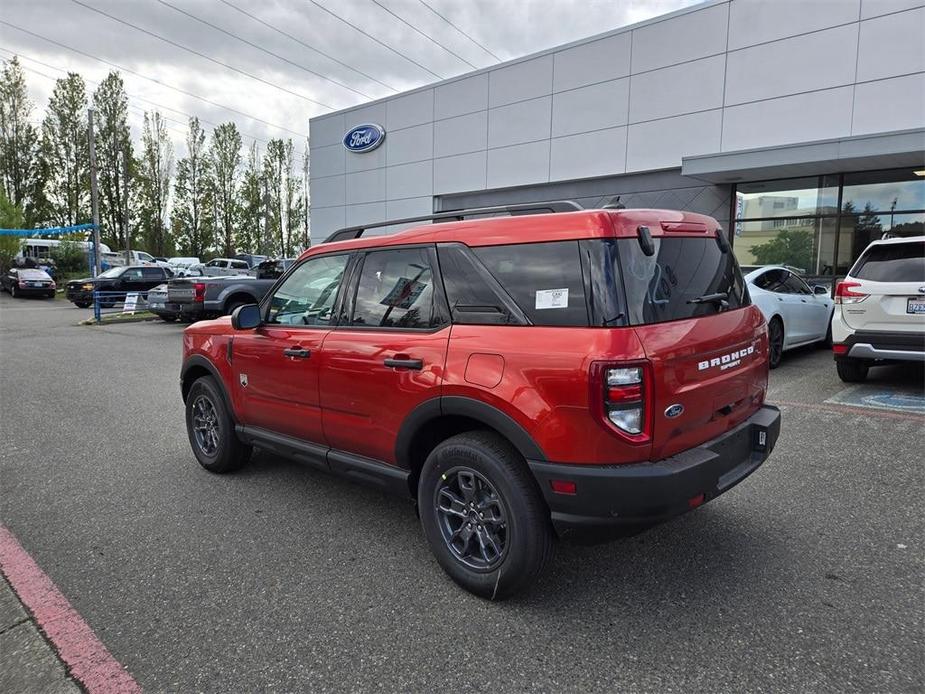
x=797, y=314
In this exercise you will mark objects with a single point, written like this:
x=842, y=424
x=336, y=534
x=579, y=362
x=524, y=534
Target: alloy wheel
x=775, y=341
x=473, y=518
x=205, y=425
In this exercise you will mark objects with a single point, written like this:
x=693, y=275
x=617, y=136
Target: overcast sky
x=288, y=95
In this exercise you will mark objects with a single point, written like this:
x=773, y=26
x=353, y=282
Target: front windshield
x=112, y=272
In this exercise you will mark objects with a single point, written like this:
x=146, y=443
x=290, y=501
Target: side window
x=239, y=265
x=132, y=274
x=472, y=300
x=774, y=281
x=797, y=286
x=395, y=290
x=152, y=273
x=307, y=296
x=545, y=280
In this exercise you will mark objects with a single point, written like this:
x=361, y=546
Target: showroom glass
x=395, y=290
x=306, y=297
x=820, y=225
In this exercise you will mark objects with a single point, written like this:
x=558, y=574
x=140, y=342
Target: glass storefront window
x=797, y=221
x=792, y=197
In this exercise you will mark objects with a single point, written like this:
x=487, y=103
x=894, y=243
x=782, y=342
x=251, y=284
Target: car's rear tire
x=852, y=370
x=13, y=291
x=775, y=342
x=81, y=304
x=483, y=516
x=210, y=429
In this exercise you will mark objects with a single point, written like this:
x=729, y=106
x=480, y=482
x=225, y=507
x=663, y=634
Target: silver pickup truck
x=207, y=297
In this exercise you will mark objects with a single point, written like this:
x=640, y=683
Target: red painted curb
x=87, y=659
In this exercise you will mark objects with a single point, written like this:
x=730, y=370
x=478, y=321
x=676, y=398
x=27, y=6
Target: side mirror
x=819, y=289
x=246, y=317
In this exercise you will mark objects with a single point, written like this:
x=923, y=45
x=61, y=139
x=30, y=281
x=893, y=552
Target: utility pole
x=125, y=211
x=94, y=196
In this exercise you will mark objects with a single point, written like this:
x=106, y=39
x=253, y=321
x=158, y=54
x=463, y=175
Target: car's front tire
x=81, y=304
x=211, y=429
x=483, y=516
x=852, y=370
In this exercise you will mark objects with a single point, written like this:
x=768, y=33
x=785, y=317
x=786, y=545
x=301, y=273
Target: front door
x=276, y=365
x=388, y=353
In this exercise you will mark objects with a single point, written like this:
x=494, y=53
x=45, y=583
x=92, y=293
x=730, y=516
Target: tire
x=231, y=308
x=81, y=304
x=826, y=342
x=775, y=342
x=13, y=291
x=459, y=472
x=210, y=429
x=50, y=296
x=852, y=370
x=167, y=318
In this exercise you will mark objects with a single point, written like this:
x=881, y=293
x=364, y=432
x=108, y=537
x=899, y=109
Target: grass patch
x=109, y=318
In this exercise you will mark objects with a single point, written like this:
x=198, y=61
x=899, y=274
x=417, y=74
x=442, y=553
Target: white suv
x=880, y=308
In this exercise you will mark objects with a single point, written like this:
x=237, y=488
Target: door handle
x=297, y=352
x=405, y=363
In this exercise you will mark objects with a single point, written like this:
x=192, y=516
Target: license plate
x=36, y=284
x=915, y=305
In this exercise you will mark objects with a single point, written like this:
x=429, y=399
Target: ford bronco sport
x=583, y=373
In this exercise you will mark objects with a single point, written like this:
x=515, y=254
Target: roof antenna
x=614, y=204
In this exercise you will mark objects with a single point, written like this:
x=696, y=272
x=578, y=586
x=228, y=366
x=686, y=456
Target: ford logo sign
x=674, y=410
x=364, y=138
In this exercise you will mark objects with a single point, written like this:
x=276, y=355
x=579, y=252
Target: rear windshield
x=893, y=262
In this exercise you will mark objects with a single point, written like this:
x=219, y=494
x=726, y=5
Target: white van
x=42, y=248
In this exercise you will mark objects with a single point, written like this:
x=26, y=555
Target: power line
x=460, y=30
x=370, y=36
x=436, y=43
x=261, y=48
x=138, y=109
x=302, y=43
x=151, y=79
x=203, y=55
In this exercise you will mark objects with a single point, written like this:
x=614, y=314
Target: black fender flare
x=197, y=360
x=471, y=408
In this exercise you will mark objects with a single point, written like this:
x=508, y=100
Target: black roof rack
x=458, y=215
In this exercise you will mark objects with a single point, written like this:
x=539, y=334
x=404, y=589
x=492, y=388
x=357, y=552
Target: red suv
x=585, y=374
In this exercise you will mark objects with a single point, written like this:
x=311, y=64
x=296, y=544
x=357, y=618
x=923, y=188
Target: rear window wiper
x=718, y=298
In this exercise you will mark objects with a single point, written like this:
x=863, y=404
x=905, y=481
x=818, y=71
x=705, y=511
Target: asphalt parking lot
x=807, y=577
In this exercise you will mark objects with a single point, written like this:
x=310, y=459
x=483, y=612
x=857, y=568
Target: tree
x=154, y=184
x=65, y=153
x=867, y=228
x=792, y=247
x=306, y=200
x=11, y=217
x=113, y=142
x=285, y=197
x=19, y=140
x=225, y=157
x=193, y=221
x=250, y=204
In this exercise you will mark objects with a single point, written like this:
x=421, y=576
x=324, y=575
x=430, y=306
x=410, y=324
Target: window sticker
x=551, y=298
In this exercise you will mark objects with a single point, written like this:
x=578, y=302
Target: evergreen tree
x=193, y=220
x=113, y=142
x=65, y=153
x=154, y=185
x=225, y=157
x=19, y=142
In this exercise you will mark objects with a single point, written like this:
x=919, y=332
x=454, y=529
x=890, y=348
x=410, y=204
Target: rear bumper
x=892, y=346
x=35, y=291
x=617, y=500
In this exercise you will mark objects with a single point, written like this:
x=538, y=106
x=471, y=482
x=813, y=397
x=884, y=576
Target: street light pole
x=94, y=195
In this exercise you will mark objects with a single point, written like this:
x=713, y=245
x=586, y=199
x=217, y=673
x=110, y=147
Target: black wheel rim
x=205, y=425
x=776, y=342
x=473, y=519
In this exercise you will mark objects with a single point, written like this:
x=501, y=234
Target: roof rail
x=458, y=215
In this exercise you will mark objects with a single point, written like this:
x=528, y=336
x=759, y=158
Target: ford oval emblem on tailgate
x=674, y=410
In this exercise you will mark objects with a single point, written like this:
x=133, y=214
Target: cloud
x=510, y=28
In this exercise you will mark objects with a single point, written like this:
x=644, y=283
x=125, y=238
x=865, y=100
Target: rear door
x=387, y=354
x=892, y=275
x=706, y=357
x=812, y=311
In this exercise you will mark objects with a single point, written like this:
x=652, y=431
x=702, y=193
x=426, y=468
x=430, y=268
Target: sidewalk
x=29, y=663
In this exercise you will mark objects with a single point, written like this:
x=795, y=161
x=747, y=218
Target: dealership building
x=800, y=126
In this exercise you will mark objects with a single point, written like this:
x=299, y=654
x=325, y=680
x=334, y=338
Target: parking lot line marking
x=87, y=659
x=847, y=409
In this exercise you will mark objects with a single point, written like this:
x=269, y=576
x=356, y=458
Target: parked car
x=797, y=313
x=209, y=297
x=251, y=259
x=21, y=281
x=221, y=267
x=127, y=278
x=880, y=308
x=586, y=374
x=183, y=262
x=272, y=269
x=160, y=306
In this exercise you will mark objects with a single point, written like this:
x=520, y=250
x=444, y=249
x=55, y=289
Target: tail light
x=845, y=295
x=621, y=397
x=199, y=292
